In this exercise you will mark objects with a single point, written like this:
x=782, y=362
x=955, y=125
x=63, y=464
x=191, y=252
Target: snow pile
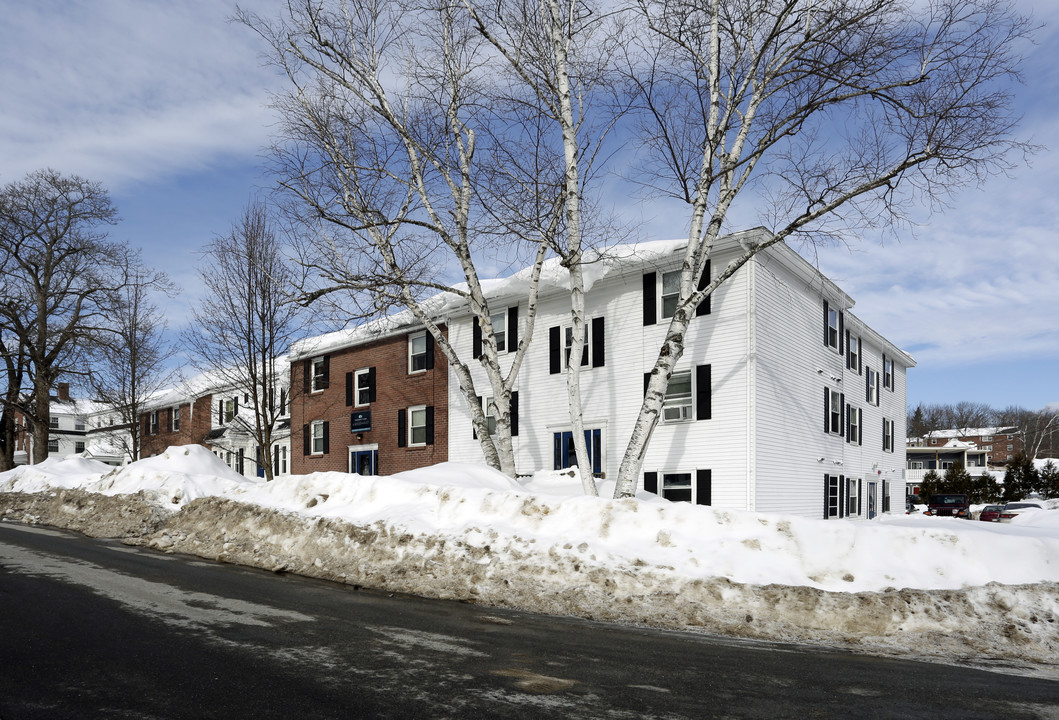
x=905, y=583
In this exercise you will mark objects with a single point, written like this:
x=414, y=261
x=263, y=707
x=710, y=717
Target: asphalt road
x=95, y=629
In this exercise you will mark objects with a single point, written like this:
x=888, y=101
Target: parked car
x=1013, y=510
x=991, y=513
x=950, y=505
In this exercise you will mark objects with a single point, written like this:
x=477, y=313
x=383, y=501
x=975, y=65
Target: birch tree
x=61, y=278
x=559, y=57
x=246, y=321
x=833, y=116
x=388, y=138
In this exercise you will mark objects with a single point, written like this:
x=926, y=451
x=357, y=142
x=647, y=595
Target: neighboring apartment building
x=78, y=427
x=209, y=410
x=372, y=400
x=743, y=426
x=922, y=459
x=1001, y=444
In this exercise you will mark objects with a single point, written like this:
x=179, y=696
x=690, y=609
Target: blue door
x=364, y=462
x=566, y=457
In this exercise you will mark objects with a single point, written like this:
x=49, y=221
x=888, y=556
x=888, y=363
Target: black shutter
x=650, y=299
x=402, y=429
x=430, y=351
x=306, y=449
x=349, y=389
x=841, y=330
x=598, y=340
x=703, y=393
x=235, y=407
x=514, y=413
x=842, y=493
x=512, y=328
x=476, y=338
x=827, y=325
x=220, y=412
x=848, y=412
x=430, y=424
x=867, y=386
x=860, y=494
x=827, y=490
x=326, y=381
x=827, y=410
x=843, y=422
x=860, y=428
x=703, y=487
x=371, y=384
x=307, y=371
x=848, y=358
x=554, y=351
x=474, y=433
x=646, y=382
x=650, y=482
x=704, y=280
x=327, y=439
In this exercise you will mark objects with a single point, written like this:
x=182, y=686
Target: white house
x=783, y=401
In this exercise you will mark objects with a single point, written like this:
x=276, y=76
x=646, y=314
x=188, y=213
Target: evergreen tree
x=958, y=480
x=1020, y=478
x=931, y=484
x=1049, y=480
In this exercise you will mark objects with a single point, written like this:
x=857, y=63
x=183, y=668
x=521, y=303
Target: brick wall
x=396, y=389
x=193, y=427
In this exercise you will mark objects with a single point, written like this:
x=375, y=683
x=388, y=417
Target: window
x=53, y=445
x=154, y=422
x=832, y=497
x=676, y=487
x=988, y=448
x=670, y=294
x=560, y=345
x=987, y=438
x=933, y=441
x=853, y=418
x=319, y=374
x=505, y=331
x=318, y=437
x=417, y=426
x=79, y=447
x=677, y=404
x=176, y=419
x=364, y=390
x=53, y=423
x=832, y=327
x=230, y=406
x=688, y=487
x=664, y=289
x=852, y=497
x=568, y=347
x=1010, y=448
x=946, y=464
x=834, y=411
x=888, y=435
x=915, y=464
x=853, y=353
x=417, y=352
x=490, y=416
x=888, y=373
x=79, y=424
x=499, y=323
x=871, y=394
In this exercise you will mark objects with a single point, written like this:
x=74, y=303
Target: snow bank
x=468, y=532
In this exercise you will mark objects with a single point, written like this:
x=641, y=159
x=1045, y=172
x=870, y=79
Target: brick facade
x=194, y=426
x=396, y=389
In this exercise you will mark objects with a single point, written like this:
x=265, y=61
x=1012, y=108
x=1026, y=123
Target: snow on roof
x=970, y=432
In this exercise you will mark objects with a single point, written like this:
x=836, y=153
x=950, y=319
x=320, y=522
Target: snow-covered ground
x=914, y=585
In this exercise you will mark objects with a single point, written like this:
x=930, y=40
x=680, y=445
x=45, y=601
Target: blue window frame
x=364, y=462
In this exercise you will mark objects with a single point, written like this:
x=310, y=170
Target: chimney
x=64, y=392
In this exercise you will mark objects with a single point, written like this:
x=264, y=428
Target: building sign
x=360, y=421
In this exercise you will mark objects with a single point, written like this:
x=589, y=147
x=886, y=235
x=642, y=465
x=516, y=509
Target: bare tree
x=61, y=279
x=246, y=321
x=389, y=142
x=1037, y=428
x=130, y=363
x=14, y=368
x=838, y=115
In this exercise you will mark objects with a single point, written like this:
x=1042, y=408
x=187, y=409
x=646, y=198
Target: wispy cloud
x=123, y=90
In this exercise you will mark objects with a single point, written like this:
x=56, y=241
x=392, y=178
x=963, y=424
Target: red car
x=991, y=513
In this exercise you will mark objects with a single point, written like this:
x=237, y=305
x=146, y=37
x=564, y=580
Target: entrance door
x=564, y=449
x=871, y=499
x=364, y=462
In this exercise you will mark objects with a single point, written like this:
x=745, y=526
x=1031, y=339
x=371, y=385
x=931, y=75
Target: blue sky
x=167, y=105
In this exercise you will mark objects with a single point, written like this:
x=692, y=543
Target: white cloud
x=122, y=90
